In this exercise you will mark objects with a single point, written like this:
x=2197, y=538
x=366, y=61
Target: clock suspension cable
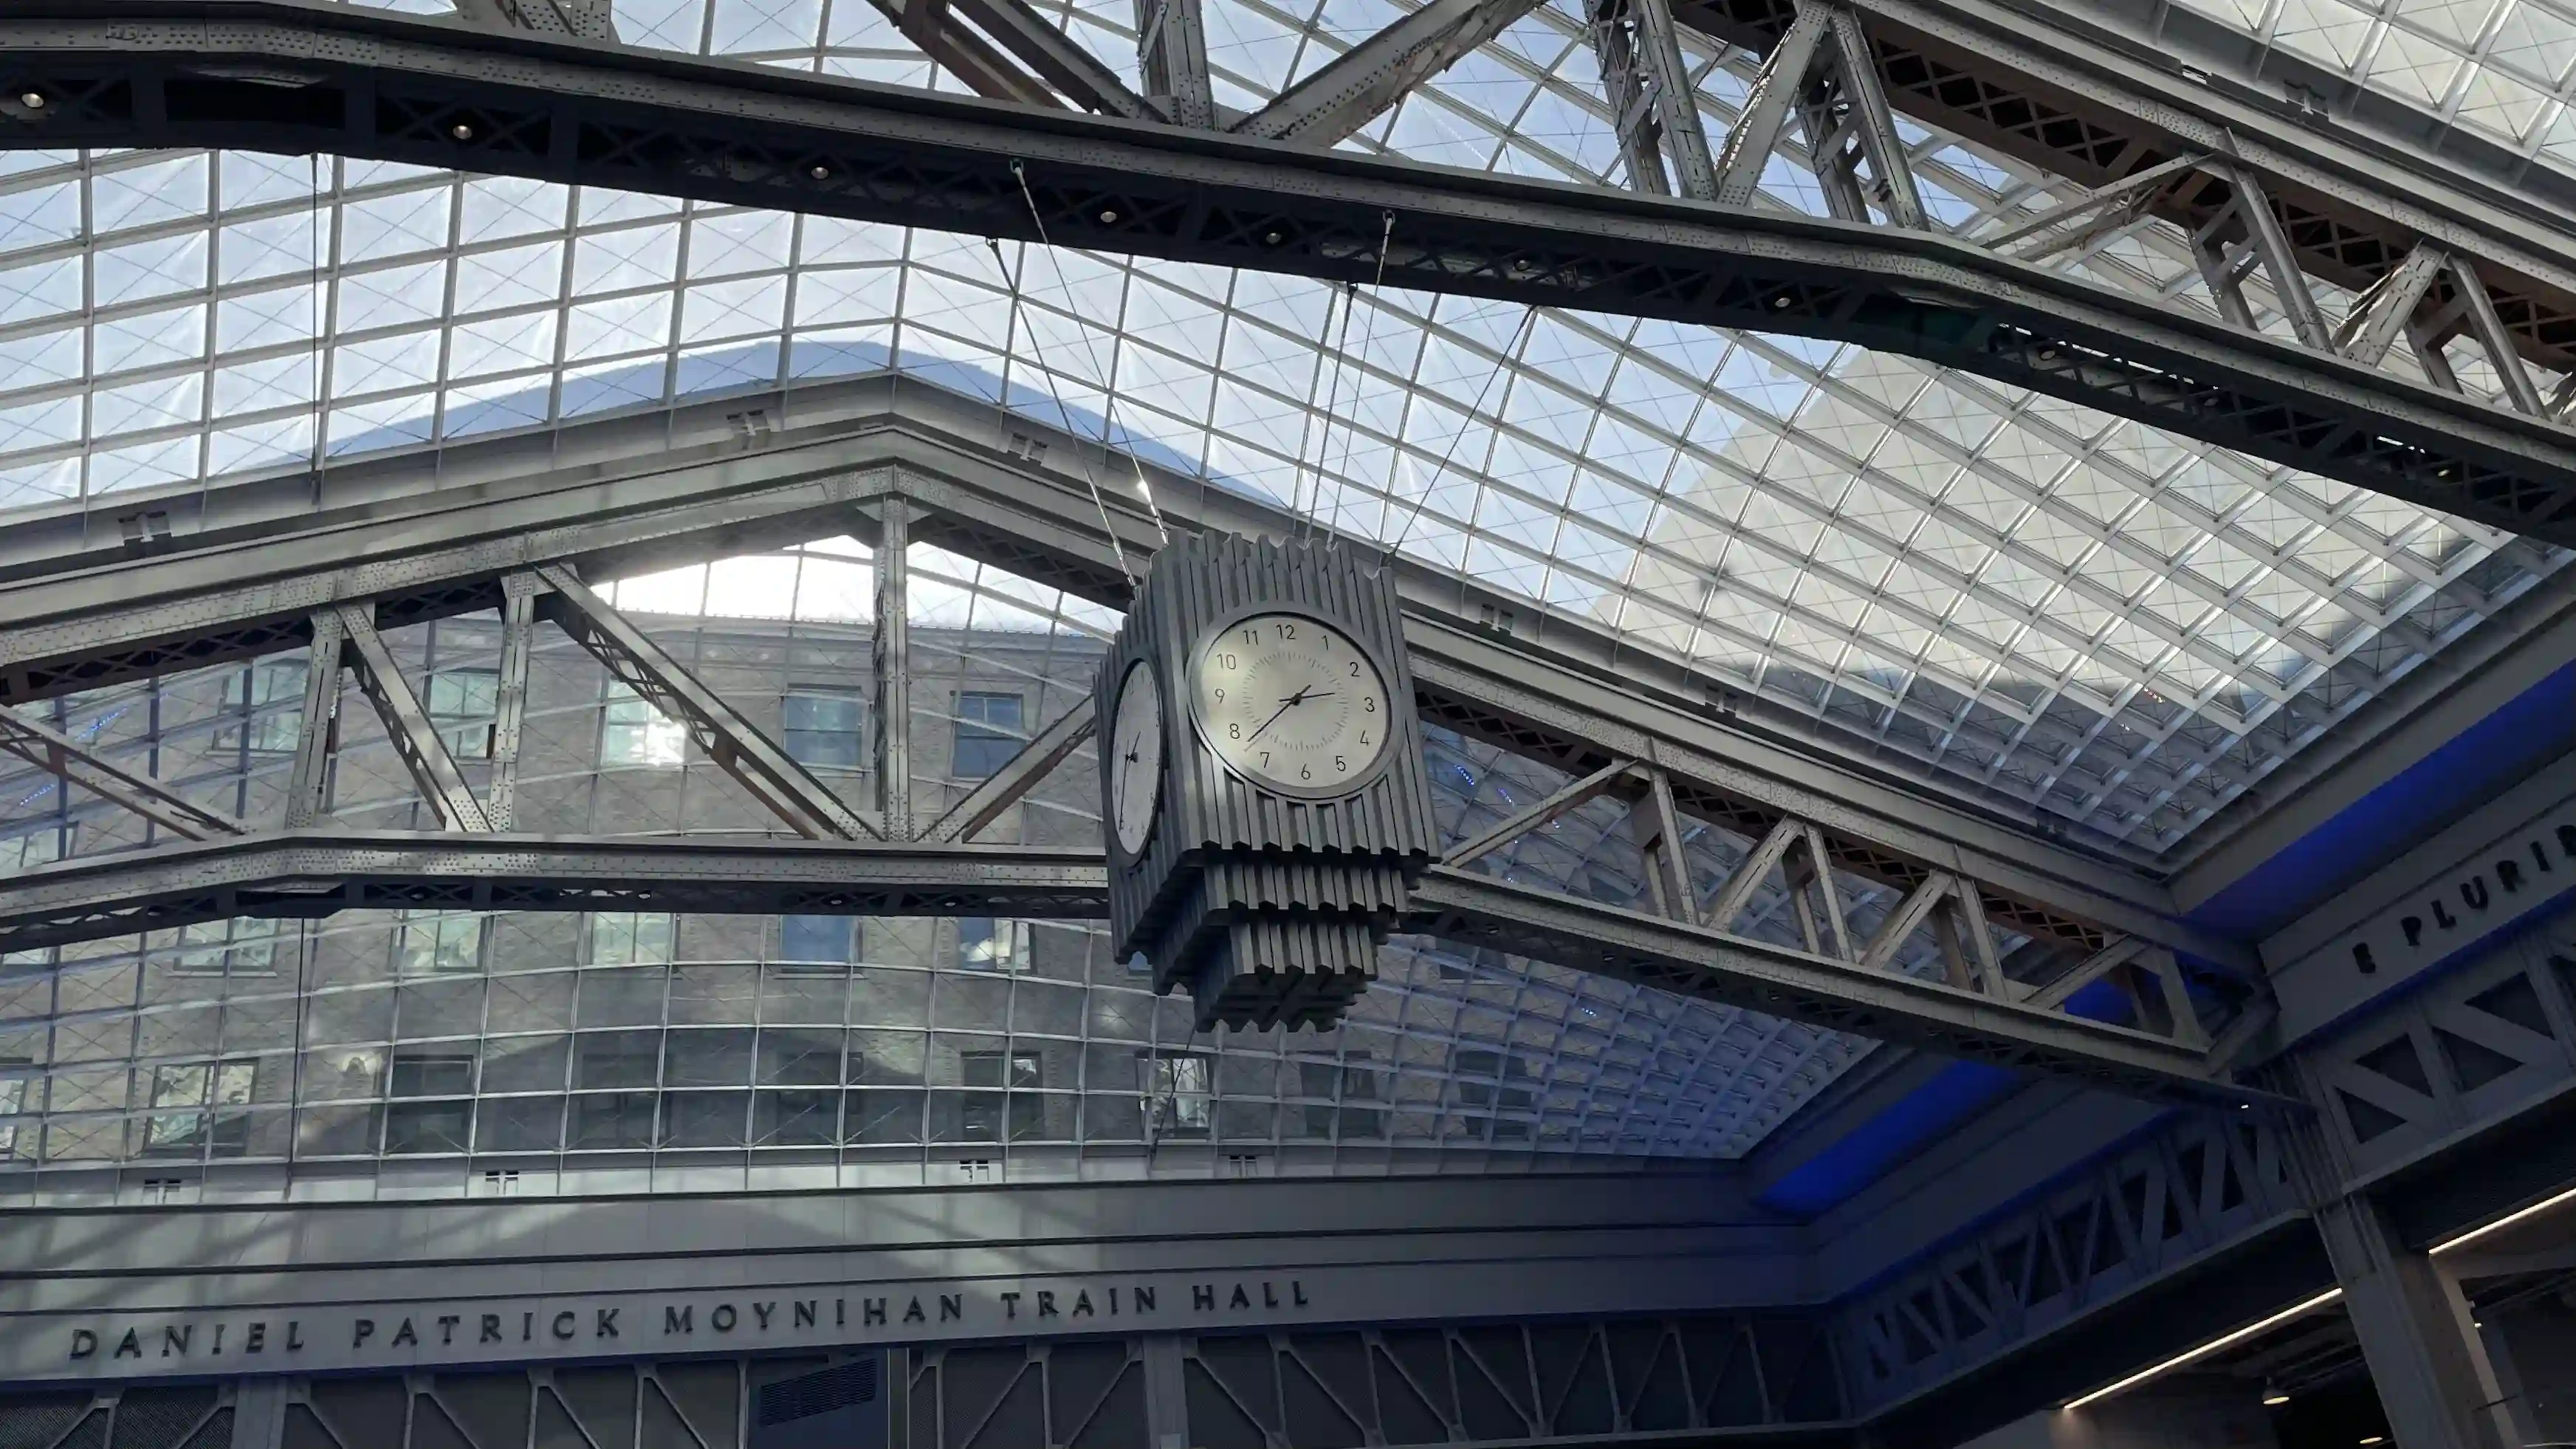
x=1305, y=519
x=1108, y=375
x=1351, y=429
x=1090, y=475
x=1349, y=297
x=1520, y=335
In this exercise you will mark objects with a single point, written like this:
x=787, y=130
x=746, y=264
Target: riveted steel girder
x=315, y=873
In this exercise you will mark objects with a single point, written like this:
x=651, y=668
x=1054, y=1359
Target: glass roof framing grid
x=1864, y=703
x=2502, y=68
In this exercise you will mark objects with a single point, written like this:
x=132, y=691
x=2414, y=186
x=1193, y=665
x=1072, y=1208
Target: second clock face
x=1135, y=746
x=1291, y=703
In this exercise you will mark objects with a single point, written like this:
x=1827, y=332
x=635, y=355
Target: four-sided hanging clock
x=1267, y=806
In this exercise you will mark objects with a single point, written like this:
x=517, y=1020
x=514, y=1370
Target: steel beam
x=422, y=749
x=585, y=19
x=308, y=874
x=2097, y=94
x=173, y=72
x=1057, y=58
x=1171, y=54
x=965, y=53
x=510, y=709
x=49, y=749
x=742, y=751
x=1365, y=81
x=308, y=779
x=890, y=650
x=1010, y=784
x=1709, y=965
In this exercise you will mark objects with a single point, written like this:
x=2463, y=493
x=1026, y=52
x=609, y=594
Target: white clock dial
x=1292, y=704
x=1136, y=757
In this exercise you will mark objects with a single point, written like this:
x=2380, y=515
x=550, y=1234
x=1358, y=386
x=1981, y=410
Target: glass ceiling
x=2016, y=595
x=2503, y=69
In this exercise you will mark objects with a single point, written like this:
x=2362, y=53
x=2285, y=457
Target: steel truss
x=2256, y=191
x=517, y=549
x=314, y=873
x=364, y=83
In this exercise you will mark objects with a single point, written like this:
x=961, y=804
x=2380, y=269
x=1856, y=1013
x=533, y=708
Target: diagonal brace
x=49, y=749
x=1011, y=783
x=423, y=749
x=766, y=770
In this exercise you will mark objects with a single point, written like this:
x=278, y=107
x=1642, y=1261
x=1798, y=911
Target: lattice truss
x=746, y=698
x=2070, y=611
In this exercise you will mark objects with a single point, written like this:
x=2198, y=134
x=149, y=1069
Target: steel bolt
x=1108, y=217
x=461, y=131
x=33, y=100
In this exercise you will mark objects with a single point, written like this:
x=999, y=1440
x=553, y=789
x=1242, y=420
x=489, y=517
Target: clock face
x=1292, y=704
x=1136, y=758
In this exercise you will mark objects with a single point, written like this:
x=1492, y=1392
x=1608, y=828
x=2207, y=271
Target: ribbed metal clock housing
x=1268, y=908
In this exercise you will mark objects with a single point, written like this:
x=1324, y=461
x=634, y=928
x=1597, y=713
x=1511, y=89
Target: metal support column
x=1167, y=1414
x=510, y=712
x=1766, y=109
x=423, y=750
x=259, y=1414
x=308, y=782
x=1647, y=83
x=892, y=716
x=49, y=749
x=1171, y=55
x=756, y=762
x=2426, y=1359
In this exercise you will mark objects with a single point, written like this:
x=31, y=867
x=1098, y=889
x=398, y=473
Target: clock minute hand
x=1285, y=705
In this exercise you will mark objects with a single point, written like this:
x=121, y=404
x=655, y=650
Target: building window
x=198, y=1104
x=630, y=938
x=432, y=945
x=237, y=947
x=822, y=727
x=806, y=943
x=15, y=1093
x=270, y=695
x=608, y=1069
x=1350, y=1108
x=1002, y=1090
x=413, y=1126
x=992, y=943
x=1486, y=1100
x=463, y=703
x=633, y=732
x=1176, y=1093
x=25, y=852
x=989, y=733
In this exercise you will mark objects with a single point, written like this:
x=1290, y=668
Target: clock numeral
x=1252, y=636
x=1341, y=766
x=1355, y=669
x=1303, y=773
x=1265, y=759
x=1234, y=732
x=1220, y=696
x=1287, y=631
x=1225, y=661
x=1364, y=737
x=1369, y=705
